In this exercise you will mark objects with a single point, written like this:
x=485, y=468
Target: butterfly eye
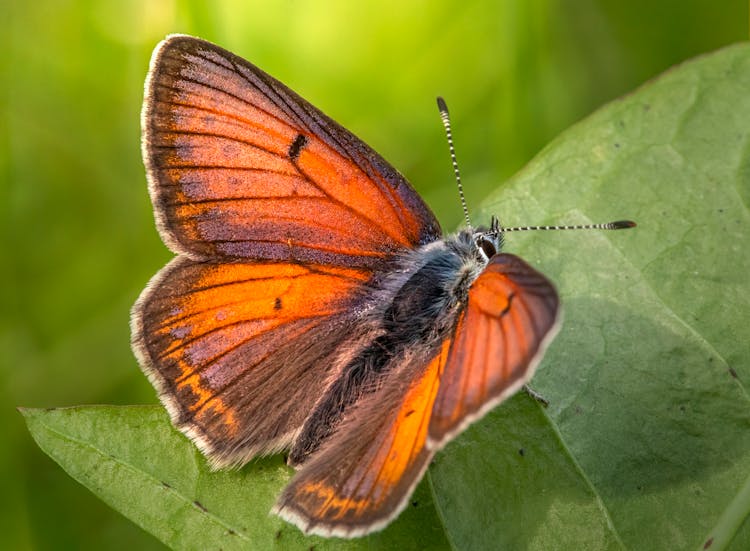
x=487, y=247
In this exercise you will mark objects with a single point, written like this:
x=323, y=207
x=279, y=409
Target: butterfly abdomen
x=418, y=311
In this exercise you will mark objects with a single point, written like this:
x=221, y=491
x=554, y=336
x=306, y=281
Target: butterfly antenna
x=618, y=225
x=445, y=117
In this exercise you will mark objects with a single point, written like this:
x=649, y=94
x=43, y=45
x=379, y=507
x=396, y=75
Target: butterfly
x=314, y=306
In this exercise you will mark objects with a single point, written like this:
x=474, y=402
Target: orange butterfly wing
x=240, y=166
x=511, y=316
x=226, y=345
x=281, y=218
x=362, y=479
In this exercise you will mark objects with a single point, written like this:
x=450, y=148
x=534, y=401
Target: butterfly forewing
x=510, y=317
x=240, y=166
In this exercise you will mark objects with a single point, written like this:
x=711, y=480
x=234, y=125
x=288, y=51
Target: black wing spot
x=505, y=311
x=277, y=304
x=297, y=146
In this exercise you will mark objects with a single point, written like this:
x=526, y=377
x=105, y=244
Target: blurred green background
x=79, y=239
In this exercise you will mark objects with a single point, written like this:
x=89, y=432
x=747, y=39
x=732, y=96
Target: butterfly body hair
x=413, y=310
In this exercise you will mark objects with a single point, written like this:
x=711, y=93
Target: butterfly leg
x=535, y=395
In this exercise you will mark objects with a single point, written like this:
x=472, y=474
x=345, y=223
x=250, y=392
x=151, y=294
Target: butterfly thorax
x=415, y=309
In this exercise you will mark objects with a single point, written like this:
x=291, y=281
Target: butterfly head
x=488, y=241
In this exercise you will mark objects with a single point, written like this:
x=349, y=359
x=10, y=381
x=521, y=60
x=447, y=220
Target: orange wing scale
x=211, y=326
x=242, y=167
x=510, y=317
x=378, y=462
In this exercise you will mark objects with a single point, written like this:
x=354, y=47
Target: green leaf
x=134, y=460
x=647, y=381
x=645, y=443
x=510, y=483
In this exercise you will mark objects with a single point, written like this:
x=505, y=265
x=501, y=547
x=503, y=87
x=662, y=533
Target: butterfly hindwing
x=365, y=473
x=233, y=348
x=511, y=316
